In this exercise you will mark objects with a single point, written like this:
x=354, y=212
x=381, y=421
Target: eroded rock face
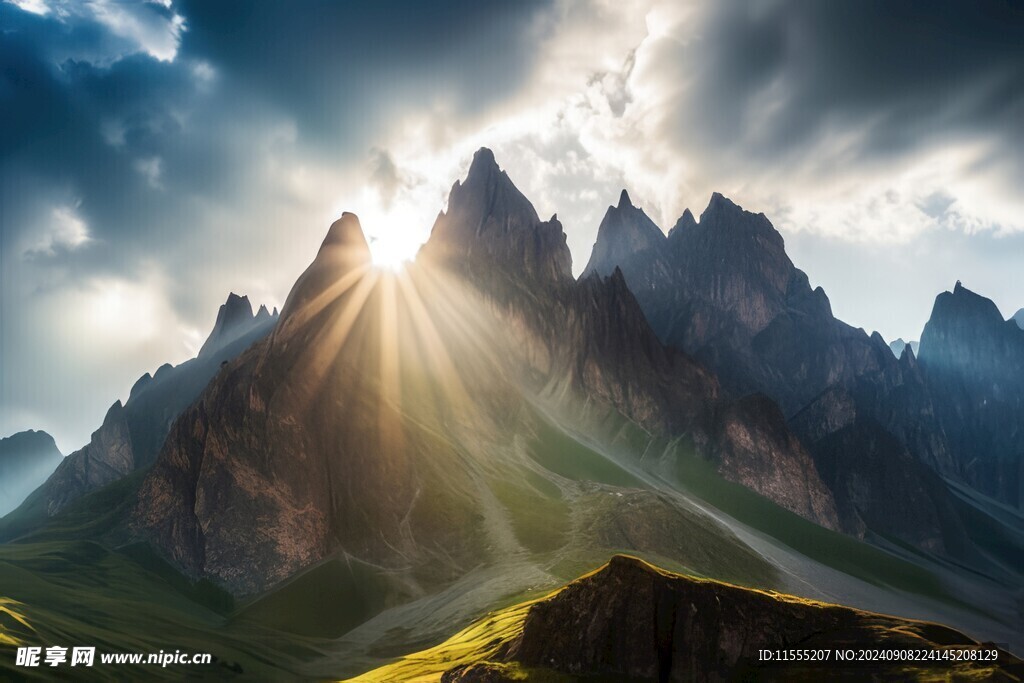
x=755, y=448
x=875, y=480
x=632, y=621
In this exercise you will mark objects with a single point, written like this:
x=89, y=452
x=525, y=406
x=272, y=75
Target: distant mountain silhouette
x=898, y=345
x=235, y=319
x=132, y=433
x=974, y=361
x=26, y=460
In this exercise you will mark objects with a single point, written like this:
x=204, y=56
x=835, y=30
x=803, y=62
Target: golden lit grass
x=13, y=623
x=478, y=642
x=488, y=637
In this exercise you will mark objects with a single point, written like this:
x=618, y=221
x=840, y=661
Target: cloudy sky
x=156, y=155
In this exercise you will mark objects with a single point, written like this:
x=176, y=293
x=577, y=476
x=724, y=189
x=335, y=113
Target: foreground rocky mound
x=630, y=621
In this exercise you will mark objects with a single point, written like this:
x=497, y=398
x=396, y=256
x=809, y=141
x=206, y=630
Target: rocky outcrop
x=26, y=460
x=632, y=621
x=973, y=361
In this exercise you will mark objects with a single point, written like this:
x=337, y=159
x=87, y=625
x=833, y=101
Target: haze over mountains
x=26, y=460
x=411, y=449
x=132, y=433
x=724, y=290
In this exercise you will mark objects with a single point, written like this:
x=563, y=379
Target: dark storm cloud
x=778, y=79
x=91, y=118
x=336, y=65
x=158, y=152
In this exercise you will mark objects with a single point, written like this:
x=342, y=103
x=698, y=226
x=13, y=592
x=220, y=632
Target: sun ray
x=330, y=342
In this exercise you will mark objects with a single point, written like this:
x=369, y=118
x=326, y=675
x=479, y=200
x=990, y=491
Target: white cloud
x=34, y=6
x=157, y=33
x=65, y=231
x=153, y=28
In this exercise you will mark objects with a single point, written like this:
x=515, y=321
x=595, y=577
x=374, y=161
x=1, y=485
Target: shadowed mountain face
x=235, y=319
x=630, y=621
x=372, y=421
x=1018, y=318
x=490, y=222
x=974, y=361
x=596, y=340
x=132, y=434
x=723, y=290
x=626, y=229
x=26, y=460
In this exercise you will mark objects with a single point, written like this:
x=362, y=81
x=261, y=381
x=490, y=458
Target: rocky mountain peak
x=235, y=309
x=347, y=233
x=962, y=328
x=973, y=360
x=234, y=318
x=263, y=314
x=685, y=224
x=898, y=344
x=483, y=165
x=724, y=215
x=1018, y=318
x=489, y=222
x=626, y=230
x=343, y=253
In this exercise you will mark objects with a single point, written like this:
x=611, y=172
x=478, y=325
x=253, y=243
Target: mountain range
x=396, y=454
x=132, y=434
